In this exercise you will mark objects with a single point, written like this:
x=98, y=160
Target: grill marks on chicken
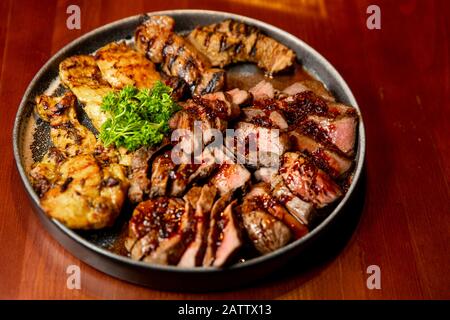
x=83, y=77
x=121, y=65
x=157, y=40
x=79, y=185
x=231, y=41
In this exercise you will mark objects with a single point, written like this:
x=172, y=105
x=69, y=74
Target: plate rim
x=359, y=159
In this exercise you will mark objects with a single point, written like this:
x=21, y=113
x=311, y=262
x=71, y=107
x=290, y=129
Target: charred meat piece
x=307, y=181
x=139, y=180
x=260, y=199
x=66, y=132
x=162, y=168
x=230, y=177
x=180, y=88
x=231, y=41
x=193, y=256
x=121, y=66
x=156, y=39
x=83, y=77
x=302, y=210
x=329, y=161
x=152, y=222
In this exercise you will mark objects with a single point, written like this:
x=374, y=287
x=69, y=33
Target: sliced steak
x=266, y=233
x=262, y=90
x=153, y=221
x=162, y=168
x=309, y=85
x=340, y=132
x=224, y=236
x=180, y=178
x=240, y=97
x=193, y=256
x=230, y=177
x=329, y=161
x=259, y=146
x=307, y=181
x=260, y=198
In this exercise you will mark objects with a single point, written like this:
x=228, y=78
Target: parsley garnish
x=138, y=117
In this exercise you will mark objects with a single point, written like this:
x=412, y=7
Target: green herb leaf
x=138, y=117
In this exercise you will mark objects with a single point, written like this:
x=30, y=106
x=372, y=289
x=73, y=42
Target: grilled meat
x=231, y=41
x=240, y=97
x=83, y=77
x=307, y=181
x=156, y=39
x=193, y=256
x=309, y=85
x=224, y=236
x=260, y=199
x=162, y=168
x=329, y=161
x=262, y=90
x=266, y=233
x=66, y=133
x=230, y=177
x=139, y=180
x=302, y=210
x=121, y=65
x=79, y=186
x=153, y=221
x=259, y=146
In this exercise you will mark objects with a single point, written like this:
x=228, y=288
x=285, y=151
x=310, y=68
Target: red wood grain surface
x=400, y=219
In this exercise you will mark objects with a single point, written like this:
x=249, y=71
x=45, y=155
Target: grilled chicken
x=66, y=133
x=156, y=39
x=307, y=181
x=231, y=41
x=83, y=77
x=79, y=185
x=121, y=65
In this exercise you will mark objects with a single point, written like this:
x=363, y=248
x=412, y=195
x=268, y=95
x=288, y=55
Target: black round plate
x=90, y=247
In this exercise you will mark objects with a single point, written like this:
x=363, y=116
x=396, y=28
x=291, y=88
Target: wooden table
x=400, y=77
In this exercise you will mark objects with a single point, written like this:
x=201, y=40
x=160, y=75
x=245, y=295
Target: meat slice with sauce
x=328, y=160
x=230, y=177
x=162, y=168
x=307, y=181
x=224, y=235
x=153, y=221
x=202, y=201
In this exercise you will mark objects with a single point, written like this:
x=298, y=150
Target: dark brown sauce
x=245, y=76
